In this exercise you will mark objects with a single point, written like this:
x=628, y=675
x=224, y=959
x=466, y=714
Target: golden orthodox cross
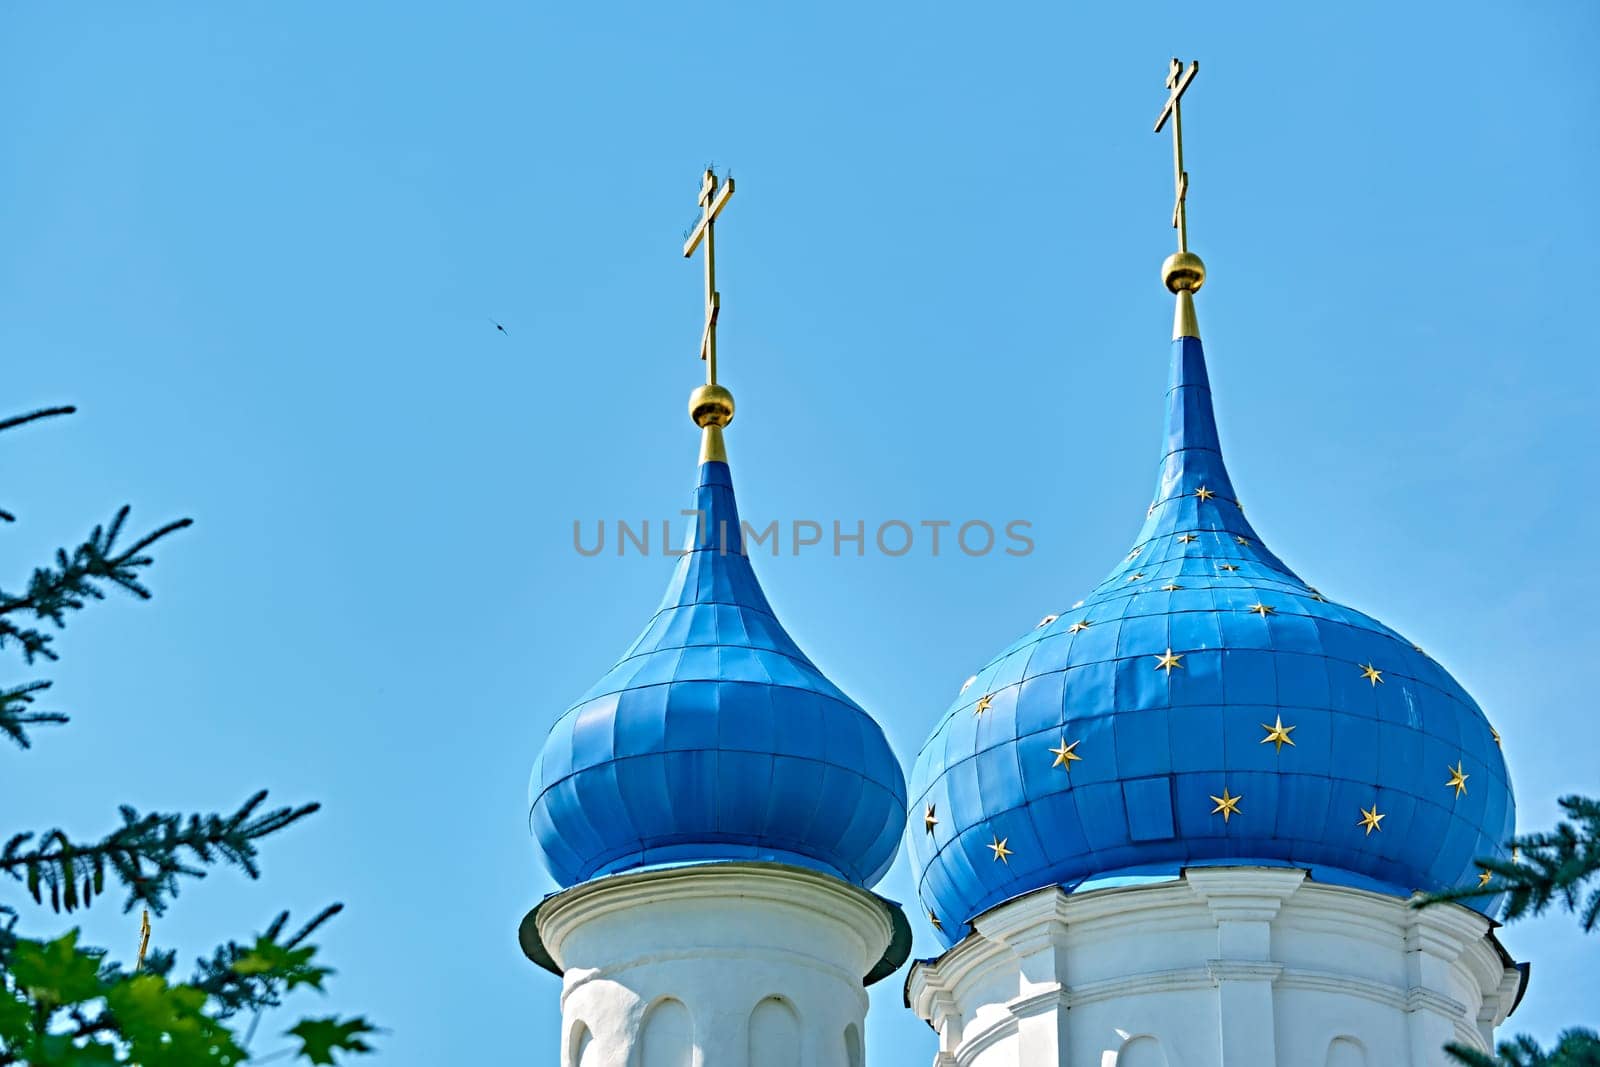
x=712, y=200
x=1178, y=81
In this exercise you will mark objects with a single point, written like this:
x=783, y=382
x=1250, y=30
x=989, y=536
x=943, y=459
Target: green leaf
x=320, y=1038
x=59, y=1050
x=167, y=1025
x=16, y=1019
x=56, y=972
x=292, y=965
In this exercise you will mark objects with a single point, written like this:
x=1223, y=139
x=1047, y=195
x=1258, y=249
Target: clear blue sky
x=260, y=245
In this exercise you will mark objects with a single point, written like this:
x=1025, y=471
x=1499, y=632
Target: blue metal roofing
x=715, y=738
x=1166, y=682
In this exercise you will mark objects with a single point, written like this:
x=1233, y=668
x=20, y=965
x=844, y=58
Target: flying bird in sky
x=499, y=327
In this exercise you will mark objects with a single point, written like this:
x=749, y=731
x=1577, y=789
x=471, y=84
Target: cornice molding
x=793, y=889
x=1421, y=999
x=1040, y=1003
x=1243, y=971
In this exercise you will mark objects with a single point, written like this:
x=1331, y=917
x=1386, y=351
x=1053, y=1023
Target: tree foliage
x=63, y=1004
x=1575, y=1048
x=1559, y=867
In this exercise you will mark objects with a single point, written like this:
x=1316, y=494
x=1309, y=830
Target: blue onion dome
x=1204, y=705
x=714, y=737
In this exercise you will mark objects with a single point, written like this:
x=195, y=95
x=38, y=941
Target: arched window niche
x=775, y=1034
x=666, y=1036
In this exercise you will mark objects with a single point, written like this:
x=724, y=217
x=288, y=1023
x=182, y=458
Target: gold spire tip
x=1184, y=323
x=712, y=450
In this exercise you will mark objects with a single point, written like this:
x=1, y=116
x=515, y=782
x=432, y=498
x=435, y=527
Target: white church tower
x=717, y=811
x=1184, y=822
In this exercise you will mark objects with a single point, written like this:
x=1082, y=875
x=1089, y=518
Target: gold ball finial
x=1183, y=272
x=711, y=405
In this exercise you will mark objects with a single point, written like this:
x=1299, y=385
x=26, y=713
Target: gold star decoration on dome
x=1278, y=734
x=1371, y=674
x=1000, y=850
x=1187, y=539
x=1263, y=609
x=1081, y=624
x=1171, y=587
x=1065, y=754
x=1483, y=878
x=1227, y=806
x=1316, y=595
x=930, y=819
x=1458, y=780
x=1203, y=493
x=933, y=920
x=1242, y=540
x=1494, y=734
x=1166, y=661
x=983, y=704
x=1135, y=576
x=1371, y=819
x=1046, y=621
x=1135, y=553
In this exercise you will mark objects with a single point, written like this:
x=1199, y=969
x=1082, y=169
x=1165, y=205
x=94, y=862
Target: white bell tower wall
x=1222, y=967
x=717, y=965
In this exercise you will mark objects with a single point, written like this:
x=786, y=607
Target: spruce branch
x=254, y=977
x=62, y=1005
x=14, y=421
x=14, y=715
x=65, y=1005
x=1558, y=866
x=1574, y=1048
x=77, y=578
x=147, y=854
x=1549, y=868
x=21, y=420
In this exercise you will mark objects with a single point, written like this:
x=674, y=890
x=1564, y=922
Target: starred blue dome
x=1203, y=705
x=715, y=738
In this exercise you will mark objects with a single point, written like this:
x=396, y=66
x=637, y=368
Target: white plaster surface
x=722, y=965
x=1223, y=967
